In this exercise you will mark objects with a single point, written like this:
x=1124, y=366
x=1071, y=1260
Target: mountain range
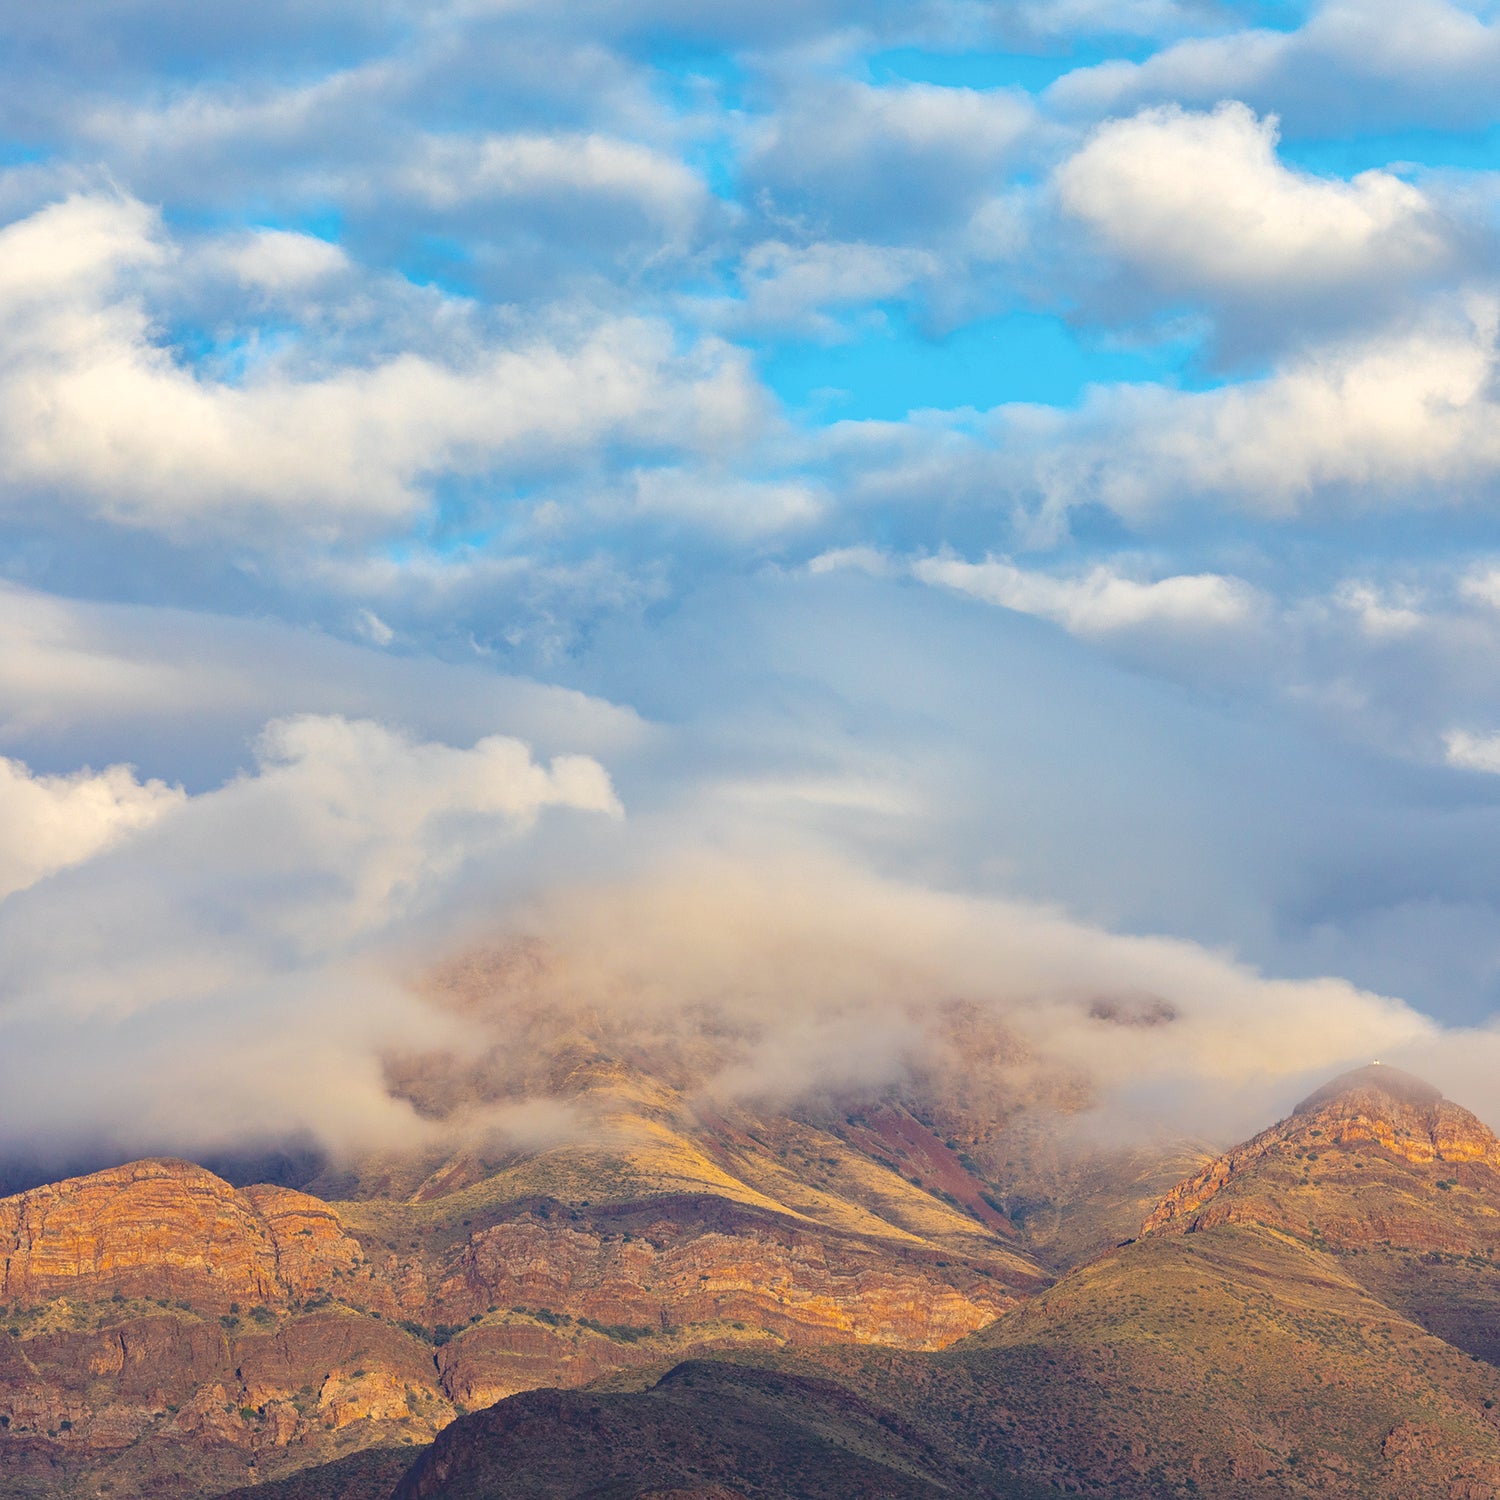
x=890, y=1298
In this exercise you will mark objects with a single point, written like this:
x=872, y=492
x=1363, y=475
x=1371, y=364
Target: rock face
x=1374, y=1161
x=1271, y=1335
x=170, y=1331
x=167, y=1228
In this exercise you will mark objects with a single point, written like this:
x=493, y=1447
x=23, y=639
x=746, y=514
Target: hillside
x=168, y=1331
x=1381, y=1172
x=1312, y=1312
x=1221, y=1353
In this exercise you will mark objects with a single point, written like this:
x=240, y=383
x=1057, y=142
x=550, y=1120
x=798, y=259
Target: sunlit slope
x=1381, y=1172
x=1236, y=1361
x=269, y=1329
x=1256, y=1340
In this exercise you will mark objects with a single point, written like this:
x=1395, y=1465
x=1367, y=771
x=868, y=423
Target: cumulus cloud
x=97, y=409
x=1371, y=63
x=883, y=164
x=251, y=910
x=1100, y=602
x=1200, y=204
x=279, y=260
x=50, y=822
x=1402, y=418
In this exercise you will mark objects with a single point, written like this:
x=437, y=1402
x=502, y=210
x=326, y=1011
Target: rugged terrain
x=169, y=1333
x=696, y=1302
x=1235, y=1348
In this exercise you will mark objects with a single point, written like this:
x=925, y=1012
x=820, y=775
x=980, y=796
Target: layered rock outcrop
x=167, y=1228
x=158, y=1309
x=1374, y=1157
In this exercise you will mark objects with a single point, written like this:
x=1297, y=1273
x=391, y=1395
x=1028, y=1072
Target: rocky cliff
x=168, y=1329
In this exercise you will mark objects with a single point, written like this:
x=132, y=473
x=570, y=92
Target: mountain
x=1257, y=1339
x=1382, y=1173
x=899, y=1298
x=167, y=1330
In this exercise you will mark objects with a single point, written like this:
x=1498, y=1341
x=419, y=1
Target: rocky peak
x=1378, y=1080
x=1337, y=1144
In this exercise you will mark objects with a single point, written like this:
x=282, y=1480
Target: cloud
x=187, y=688
x=1381, y=615
x=1200, y=205
x=1101, y=601
x=787, y=286
x=852, y=161
x=48, y=823
x=727, y=505
x=1373, y=64
x=1076, y=20
x=94, y=409
x=445, y=172
x=247, y=914
x=1405, y=418
x=420, y=375
x=1473, y=752
x=278, y=260
x=803, y=978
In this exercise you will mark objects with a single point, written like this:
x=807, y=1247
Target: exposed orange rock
x=156, y=1228
x=163, y=1307
x=1377, y=1120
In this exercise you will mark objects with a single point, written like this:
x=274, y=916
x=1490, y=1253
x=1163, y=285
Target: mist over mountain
x=906, y=1296
x=703, y=709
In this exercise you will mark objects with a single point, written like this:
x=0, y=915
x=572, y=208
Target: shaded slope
x=1234, y=1361
x=757, y=1433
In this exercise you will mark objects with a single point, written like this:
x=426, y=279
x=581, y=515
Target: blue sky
x=1041, y=456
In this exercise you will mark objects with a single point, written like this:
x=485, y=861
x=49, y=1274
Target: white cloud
x=344, y=828
x=1102, y=601
x=1482, y=586
x=1472, y=752
x=727, y=504
x=1382, y=614
x=797, y=976
x=279, y=260
x=1406, y=418
x=1200, y=203
x=792, y=285
x=868, y=560
x=1353, y=62
x=48, y=823
x=263, y=921
x=445, y=172
x=94, y=409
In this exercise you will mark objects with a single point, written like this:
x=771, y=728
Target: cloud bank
x=1002, y=497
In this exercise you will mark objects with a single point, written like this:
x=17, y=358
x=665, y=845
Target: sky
x=907, y=503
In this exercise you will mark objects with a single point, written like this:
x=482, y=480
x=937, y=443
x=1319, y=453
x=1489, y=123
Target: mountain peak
x=1375, y=1077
